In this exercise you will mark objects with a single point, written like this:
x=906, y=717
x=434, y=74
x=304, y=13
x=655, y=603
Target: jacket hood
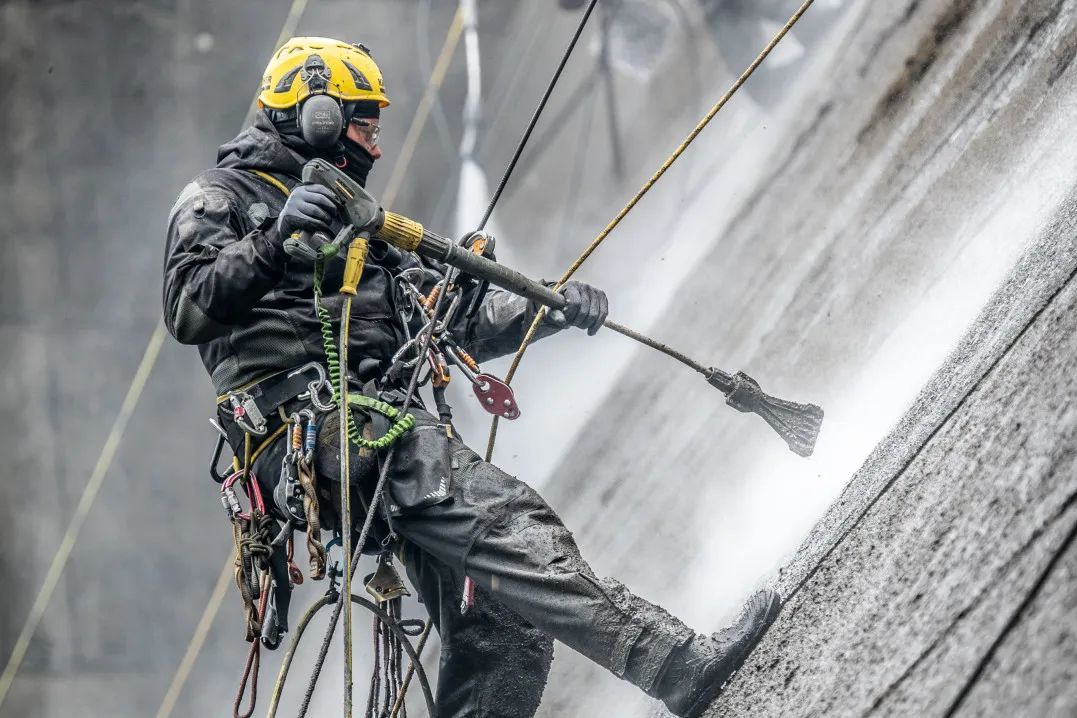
x=261, y=147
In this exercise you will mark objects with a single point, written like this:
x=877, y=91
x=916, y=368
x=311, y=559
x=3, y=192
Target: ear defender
x=321, y=121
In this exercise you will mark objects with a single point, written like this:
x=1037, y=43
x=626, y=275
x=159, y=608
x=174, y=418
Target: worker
x=232, y=289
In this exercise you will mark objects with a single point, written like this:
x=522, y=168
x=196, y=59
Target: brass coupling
x=401, y=232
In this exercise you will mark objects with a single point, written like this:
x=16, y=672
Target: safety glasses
x=369, y=130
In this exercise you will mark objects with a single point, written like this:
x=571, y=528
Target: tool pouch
x=362, y=464
x=421, y=473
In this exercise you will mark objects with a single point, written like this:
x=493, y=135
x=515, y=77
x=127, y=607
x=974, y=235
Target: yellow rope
x=344, y=415
x=638, y=196
x=205, y=623
x=86, y=501
x=418, y=121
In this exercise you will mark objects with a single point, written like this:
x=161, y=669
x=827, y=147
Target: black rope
x=398, y=628
x=534, y=118
x=378, y=492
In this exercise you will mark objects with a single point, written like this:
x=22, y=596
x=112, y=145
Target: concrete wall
x=936, y=156
x=944, y=579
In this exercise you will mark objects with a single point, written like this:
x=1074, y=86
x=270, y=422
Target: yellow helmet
x=317, y=65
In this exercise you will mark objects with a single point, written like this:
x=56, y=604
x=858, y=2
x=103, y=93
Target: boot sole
x=704, y=701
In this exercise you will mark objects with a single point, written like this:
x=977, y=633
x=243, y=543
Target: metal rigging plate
x=496, y=396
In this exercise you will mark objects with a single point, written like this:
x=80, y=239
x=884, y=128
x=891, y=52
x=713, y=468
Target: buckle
x=246, y=414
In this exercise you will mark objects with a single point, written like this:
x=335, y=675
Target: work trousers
x=457, y=515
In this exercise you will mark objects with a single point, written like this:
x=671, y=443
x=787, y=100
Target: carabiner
x=310, y=434
x=315, y=387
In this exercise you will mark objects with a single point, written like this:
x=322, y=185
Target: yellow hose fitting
x=353, y=267
x=401, y=232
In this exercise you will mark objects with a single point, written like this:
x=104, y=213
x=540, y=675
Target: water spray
x=796, y=423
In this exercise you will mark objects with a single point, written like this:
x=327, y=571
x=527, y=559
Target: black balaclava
x=354, y=159
x=349, y=156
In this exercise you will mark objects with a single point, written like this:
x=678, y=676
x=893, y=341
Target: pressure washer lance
x=798, y=424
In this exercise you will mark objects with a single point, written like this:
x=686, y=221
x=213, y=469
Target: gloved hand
x=587, y=308
x=310, y=207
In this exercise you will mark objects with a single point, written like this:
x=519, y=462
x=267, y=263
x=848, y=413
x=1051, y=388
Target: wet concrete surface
x=906, y=257
x=924, y=582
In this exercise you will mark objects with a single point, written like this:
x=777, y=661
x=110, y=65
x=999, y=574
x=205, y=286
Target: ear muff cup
x=321, y=121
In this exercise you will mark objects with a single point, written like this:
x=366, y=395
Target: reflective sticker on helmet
x=360, y=79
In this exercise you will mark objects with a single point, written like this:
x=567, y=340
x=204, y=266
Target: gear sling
x=253, y=418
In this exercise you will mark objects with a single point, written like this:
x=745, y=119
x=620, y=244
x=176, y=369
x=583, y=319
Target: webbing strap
x=254, y=382
x=236, y=464
x=272, y=180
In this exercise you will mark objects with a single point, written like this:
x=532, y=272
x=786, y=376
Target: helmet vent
x=285, y=83
x=360, y=79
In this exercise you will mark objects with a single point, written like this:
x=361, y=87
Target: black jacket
x=231, y=289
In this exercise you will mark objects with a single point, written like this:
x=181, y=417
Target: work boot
x=697, y=672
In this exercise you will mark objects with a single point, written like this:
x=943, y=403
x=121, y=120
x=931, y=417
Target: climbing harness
x=433, y=348
x=251, y=409
x=434, y=344
x=342, y=604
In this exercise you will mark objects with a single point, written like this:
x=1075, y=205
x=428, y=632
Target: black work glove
x=587, y=308
x=309, y=206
